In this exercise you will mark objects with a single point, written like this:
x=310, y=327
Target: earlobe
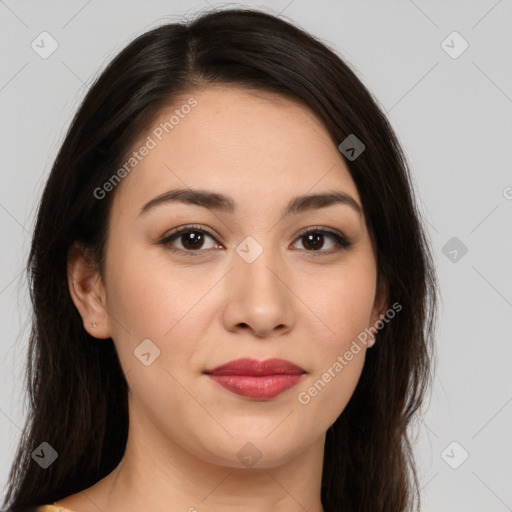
x=87, y=291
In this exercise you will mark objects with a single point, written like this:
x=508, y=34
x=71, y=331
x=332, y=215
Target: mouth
x=257, y=380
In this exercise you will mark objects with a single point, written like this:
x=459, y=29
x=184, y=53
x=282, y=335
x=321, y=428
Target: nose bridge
x=259, y=297
x=260, y=260
x=258, y=268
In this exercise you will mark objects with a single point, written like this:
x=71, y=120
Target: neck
x=175, y=479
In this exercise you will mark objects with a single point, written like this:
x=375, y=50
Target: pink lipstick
x=258, y=380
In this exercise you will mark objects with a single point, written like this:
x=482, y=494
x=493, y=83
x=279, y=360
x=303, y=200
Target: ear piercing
x=92, y=324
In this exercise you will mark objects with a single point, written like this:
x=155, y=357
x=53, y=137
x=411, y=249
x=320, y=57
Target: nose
x=259, y=297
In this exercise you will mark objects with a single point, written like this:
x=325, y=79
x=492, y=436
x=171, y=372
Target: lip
x=257, y=380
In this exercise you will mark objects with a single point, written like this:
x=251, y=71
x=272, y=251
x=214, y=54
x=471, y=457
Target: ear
x=87, y=291
x=380, y=307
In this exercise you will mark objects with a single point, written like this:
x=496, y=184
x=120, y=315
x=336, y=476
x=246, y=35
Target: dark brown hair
x=77, y=390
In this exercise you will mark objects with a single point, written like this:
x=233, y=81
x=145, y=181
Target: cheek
x=326, y=394
x=171, y=305
x=149, y=299
x=343, y=302
x=151, y=295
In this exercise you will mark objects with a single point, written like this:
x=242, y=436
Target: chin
x=254, y=451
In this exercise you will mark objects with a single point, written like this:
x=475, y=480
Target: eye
x=191, y=238
x=314, y=239
x=194, y=239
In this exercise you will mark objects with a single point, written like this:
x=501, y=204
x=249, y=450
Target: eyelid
x=320, y=229
x=343, y=241
x=188, y=227
x=176, y=232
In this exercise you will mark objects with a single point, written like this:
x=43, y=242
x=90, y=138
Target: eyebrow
x=223, y=203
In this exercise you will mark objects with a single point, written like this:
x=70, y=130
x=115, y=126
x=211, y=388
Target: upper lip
x=255, y=368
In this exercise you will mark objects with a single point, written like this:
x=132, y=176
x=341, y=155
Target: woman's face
x=243, y=282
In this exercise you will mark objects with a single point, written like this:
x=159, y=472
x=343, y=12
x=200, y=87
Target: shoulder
x=41, y=508
x=51, y=508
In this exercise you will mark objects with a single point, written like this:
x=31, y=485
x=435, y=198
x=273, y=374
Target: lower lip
x=258, y=388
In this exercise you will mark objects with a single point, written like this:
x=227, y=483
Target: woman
x=233, y=294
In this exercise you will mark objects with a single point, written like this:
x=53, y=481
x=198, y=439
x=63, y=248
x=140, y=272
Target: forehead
x=249, y=144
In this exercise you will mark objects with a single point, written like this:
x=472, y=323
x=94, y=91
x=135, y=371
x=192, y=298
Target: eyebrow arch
x=221, y=202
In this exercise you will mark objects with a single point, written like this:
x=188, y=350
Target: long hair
x=77, y=391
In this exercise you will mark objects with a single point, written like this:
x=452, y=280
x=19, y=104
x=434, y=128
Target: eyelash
x=342, y=241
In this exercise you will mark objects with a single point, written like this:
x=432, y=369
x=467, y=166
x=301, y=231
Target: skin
x=202, y=311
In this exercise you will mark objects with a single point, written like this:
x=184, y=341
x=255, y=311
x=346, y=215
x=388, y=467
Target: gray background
x=453, y=118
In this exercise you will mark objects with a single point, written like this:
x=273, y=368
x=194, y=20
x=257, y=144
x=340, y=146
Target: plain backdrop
x=451, y=108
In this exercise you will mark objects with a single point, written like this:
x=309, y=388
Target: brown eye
x=315, y=240
x=189, y=239
x=192, y=240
